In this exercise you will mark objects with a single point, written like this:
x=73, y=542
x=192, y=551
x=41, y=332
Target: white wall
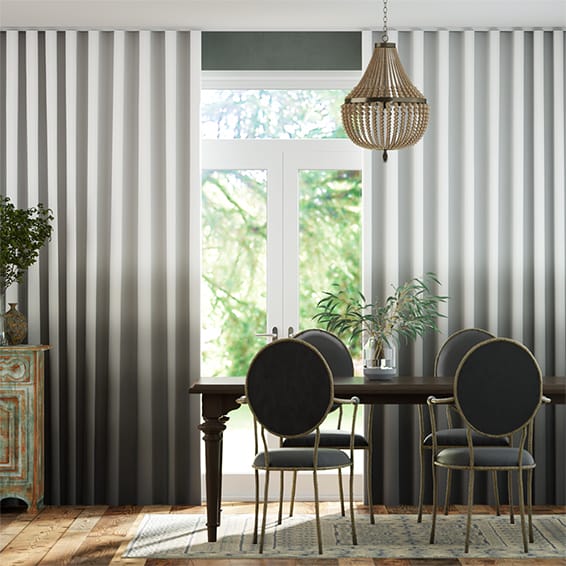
x=281, y=14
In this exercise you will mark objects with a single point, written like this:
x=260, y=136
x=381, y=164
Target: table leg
x=212, y=429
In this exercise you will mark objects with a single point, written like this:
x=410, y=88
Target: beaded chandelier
x=385, y=110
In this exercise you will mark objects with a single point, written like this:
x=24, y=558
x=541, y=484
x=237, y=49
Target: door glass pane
x=330, y=236
x=234, y=228
x=233, y=304
x=272, y=114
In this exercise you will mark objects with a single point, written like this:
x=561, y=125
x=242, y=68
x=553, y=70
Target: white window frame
x=239, y=487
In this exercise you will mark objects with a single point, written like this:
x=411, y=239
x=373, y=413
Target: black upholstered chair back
x=289, y=387
x=334, y=351
x=455, y=347
x=498, y=386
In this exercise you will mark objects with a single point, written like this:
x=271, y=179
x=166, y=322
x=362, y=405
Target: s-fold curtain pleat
x=480, y=201
x=98, y=127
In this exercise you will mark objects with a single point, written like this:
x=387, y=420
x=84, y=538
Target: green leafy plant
x=409, y=312
x=23, y=231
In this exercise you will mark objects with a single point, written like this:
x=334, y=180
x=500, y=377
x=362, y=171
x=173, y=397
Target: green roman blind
x=281, y=51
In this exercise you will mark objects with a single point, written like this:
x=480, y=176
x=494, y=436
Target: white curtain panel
x=480, y=201
x=98, y=126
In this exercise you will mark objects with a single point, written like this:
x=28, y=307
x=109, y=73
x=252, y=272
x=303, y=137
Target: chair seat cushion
x=457, y=437
x=295, y=458
x=488, y=456
x=328, y=439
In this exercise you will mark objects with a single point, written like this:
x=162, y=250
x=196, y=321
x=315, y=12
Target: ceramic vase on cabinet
x=15, y=325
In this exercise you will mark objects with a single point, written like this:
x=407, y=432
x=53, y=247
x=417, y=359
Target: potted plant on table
x=409, y=312
x=23, y=231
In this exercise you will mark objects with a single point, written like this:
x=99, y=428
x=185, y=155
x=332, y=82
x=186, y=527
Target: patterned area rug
x=399, y=536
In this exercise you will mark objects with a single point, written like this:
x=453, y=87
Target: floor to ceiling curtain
x=103, y=128
x=100, y=127
x=480, y=201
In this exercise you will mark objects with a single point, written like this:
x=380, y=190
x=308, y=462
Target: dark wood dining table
x=219, y=396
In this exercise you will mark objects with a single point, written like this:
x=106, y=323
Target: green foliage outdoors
x=234, y=226
x=272, y=114
x=22, y=233
x=409, y=312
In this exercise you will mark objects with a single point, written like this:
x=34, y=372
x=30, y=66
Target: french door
x=277, y=217
x=281, y=166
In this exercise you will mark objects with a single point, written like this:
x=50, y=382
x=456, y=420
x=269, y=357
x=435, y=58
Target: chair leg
x=510, y=495
x=470, y=503
x=447, y=493
x=496, y=493
x=264, y=518
x=421, y=484
x=434, y=497
x=352, y=519
x=281, y=491
x=256, y=510
x=341, y=491
x=317, y=511
x=530, y=504
x=293, y=490
x=522, y=511
x=369, y=486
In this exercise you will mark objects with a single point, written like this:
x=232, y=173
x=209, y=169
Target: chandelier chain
x=385, y=36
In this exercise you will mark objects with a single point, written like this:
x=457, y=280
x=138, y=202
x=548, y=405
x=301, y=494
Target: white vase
x=380, y=363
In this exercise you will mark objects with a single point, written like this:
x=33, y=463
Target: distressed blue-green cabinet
x=21, y=424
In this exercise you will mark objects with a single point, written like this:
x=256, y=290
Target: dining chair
x=447, y=359
x=290, y=391
x=497, y=393
x=339, y=359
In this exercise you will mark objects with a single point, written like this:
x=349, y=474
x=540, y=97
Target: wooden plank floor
x=98, y=535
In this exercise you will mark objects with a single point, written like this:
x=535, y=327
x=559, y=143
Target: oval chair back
x=289, y=387
x=455, y=347
x=498, y=387
x=334, y=351
x=448, y=357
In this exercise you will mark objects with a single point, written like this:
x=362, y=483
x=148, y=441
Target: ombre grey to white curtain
x=481, y=202
x=103, y=128
x=97, y=126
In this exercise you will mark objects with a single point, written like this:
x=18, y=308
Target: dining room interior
x=223, y=175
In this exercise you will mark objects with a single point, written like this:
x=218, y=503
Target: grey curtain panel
x=481, y=201
x=97, y=126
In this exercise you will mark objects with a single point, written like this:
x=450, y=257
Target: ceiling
x=271, y=15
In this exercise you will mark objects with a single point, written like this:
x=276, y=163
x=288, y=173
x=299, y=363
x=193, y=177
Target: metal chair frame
x=424, y=448
x=367, y=449
x=524, y=431
x=260, y=432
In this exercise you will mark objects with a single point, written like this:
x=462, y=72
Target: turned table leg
x=214, y=409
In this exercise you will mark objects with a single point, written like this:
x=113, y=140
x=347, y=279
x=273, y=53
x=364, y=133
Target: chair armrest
x=432, y=401
x=444, y=401
x=352, y=401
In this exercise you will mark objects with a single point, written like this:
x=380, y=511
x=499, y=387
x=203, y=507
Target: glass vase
x=380, y=361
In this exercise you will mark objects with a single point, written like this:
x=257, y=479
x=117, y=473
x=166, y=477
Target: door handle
x=274, y=334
